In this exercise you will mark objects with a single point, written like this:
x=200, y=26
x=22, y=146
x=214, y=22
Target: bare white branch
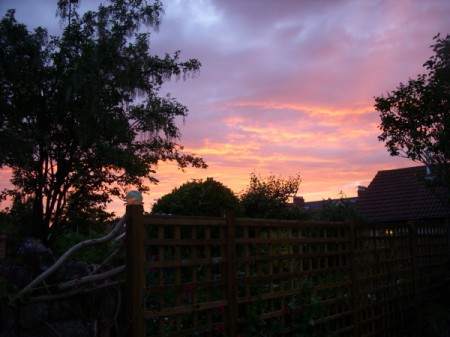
x=92, y=242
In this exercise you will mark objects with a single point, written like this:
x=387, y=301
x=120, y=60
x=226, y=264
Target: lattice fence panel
x=293, y=276
x=431, y=254
x=185, y=276
x=385, y=280
x=245, y=277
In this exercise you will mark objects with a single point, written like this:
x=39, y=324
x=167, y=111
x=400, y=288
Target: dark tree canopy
x=271, y=197
x=342, y=209
x=198, y=197
x=415, y=118
x=81, y=118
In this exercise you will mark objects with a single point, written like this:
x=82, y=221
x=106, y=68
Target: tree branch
x=91, y=278
x=71, y=251
x=74, y=292
x=114, y=253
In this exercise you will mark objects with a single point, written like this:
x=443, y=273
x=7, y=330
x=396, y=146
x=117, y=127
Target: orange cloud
x=313, y=111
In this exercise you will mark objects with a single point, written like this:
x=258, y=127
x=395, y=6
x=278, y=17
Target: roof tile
x=400, y=194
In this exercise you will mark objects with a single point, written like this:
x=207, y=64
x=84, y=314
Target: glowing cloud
x=284, y=88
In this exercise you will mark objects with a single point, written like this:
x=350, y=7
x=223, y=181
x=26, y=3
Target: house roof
x=398, y=195
x=318, y=205
x=313, y=205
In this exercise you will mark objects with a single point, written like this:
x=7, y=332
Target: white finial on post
x=134, y=198
x=135, y=260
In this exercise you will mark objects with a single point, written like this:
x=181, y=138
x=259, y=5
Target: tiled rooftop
x=400, y=195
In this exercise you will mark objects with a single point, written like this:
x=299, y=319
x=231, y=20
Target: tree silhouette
x=81, y=118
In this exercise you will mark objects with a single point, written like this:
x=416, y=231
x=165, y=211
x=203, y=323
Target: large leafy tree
x=199, y=197
x=415, y=118
x=271, y=197
x=81, y=117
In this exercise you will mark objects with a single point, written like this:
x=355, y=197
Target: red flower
x=286, y=311
x=187, y=289
x=219, y=329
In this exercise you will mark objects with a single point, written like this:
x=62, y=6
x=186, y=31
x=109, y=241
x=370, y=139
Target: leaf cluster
x=415, y=118
x=198, y=197
x=270, y=197
x=81, y=117
x=341, y=209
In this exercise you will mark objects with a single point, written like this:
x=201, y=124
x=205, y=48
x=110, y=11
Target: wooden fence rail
x=227, y=276
x=2, y=246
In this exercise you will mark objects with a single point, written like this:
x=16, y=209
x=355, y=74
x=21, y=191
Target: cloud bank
x=286, y=86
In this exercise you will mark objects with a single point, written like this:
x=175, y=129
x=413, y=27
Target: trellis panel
x=221, y=276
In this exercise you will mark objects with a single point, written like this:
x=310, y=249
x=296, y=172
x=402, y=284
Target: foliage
x=94, y=255
x=303, y=312
x=415, y=118
x=198, y=197
x=81, y=118
x=253, y=325
x=300, y=314
x=340, y=210
x=15, y=222
x=432, y=317
x=270, y=197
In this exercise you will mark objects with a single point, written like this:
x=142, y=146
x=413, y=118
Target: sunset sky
x=286, y=86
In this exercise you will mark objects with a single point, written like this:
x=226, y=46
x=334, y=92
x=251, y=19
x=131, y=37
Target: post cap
x=134, y=198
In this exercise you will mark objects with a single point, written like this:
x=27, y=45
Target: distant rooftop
x=318, y=205
x=398, y=195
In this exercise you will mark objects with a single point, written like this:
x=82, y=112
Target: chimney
x=361, y=190
x=299, y=202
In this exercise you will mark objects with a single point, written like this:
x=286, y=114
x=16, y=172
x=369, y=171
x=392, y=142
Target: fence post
x=413, y=251
x=2, y=247
x=353, y=278
x=134, y=280
x=231, y=272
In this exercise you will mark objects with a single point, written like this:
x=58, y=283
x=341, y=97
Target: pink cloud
x=288, y=88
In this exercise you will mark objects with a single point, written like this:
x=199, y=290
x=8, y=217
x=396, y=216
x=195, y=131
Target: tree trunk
x=40, y=228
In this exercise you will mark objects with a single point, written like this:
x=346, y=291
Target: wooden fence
x=2, y=247
x=198, y=276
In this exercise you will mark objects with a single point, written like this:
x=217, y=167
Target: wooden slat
x=2, y=246
x=186, y=309
x=231, y=263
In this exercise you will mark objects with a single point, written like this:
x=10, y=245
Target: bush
x=198, y=197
